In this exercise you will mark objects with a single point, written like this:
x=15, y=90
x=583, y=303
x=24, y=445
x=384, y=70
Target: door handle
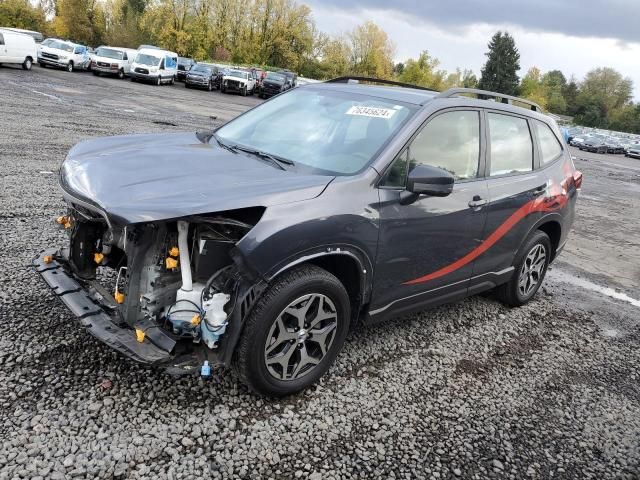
x=477, y=202
x=540, y=190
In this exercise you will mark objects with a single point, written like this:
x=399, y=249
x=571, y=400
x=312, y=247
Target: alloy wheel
x=301, y=336
x=532, y=270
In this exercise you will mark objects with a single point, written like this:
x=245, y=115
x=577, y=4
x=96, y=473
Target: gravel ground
x=470, y=390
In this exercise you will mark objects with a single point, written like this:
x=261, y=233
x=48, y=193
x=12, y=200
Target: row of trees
x=282, y=33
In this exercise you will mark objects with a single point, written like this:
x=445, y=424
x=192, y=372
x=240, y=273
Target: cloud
x=617, y=19
x=465, y=46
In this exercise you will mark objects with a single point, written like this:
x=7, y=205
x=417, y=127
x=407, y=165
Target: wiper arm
x=277, y=161
x=224, y=145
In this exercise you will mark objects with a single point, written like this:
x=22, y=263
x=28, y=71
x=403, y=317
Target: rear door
x=513, y=184
x=426, y=248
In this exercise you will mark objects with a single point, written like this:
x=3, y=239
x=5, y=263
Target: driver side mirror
x=427, y=180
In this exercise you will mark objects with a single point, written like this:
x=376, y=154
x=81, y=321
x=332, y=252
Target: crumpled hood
x=141, y=178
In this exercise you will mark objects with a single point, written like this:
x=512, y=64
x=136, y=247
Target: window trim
x=540, y=164
x=407, y=144
x=535, y=165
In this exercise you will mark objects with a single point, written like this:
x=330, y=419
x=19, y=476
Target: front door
x=427, y=248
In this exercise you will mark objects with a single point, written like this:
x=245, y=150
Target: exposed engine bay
x=174, y=283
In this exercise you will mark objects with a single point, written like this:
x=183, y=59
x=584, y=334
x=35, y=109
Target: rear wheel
x=27, y=64
x=530, y=265
x=294, y=333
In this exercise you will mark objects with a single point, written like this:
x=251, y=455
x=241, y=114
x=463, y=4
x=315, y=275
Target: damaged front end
x=170, y=293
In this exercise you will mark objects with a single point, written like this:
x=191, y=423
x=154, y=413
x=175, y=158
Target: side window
x=550, y=147
x=511, y=144
x=450, y=141
x=1, y=39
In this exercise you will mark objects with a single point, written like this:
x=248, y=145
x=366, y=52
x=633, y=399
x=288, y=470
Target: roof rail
x=376, y=80
x=485, y=93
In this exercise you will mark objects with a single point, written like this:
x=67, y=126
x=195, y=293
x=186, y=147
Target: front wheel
x=159, y=81
x=294, y=333
x=121, y=74
x=244, y=92
x=70, y=67
x=531, y=265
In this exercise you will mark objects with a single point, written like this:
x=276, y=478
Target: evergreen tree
x=499, y=74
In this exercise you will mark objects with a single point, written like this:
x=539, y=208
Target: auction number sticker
x=375, y=112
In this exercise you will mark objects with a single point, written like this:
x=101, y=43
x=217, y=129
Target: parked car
x=113, y=61
x=330, y=205
x=184, y=65
x=292, y=78
x=154, y=65
x=594, y=143
x=203, y=75
x=17, y=48
x=239, y=81
x=633, y=151
x=273, y=84
x=613, y=145
x=63, y=54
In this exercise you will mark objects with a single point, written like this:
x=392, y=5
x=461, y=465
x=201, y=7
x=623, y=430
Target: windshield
x=47, y=42
x=145, y=59
x=276, y=77
x=109, y=53
x=325, y=129
x=201, y=68
x=62, y=46
x=237, y=73
x=184, y=61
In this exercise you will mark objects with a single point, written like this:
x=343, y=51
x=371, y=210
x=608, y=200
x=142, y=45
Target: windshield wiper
x=277, y=161
x=224, y=145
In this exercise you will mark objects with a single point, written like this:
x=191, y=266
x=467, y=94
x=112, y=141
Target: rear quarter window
x=550, y=147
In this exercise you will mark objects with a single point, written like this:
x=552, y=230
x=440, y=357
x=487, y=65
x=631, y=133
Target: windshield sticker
x=374, y=112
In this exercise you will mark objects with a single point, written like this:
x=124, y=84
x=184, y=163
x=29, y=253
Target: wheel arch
x=550, y=224
x=348, y=264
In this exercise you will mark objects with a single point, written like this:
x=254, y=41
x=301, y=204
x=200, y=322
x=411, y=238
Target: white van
x=155, y=65
x=17, y=48
x=112, y=61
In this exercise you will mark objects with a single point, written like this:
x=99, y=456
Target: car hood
x=142, y=178
x=230, y=77
x=106, y=59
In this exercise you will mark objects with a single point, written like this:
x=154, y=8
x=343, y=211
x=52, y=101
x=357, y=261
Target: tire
x=70, y=67
x=42, y=64
x=159, y=81
x=172, y=81
x=186, y=85
x=223, y=89
x=209, y=86
x=304, y=287
x=511, y=293
x=244, y=92
x=27, y=64
x=121, y=74
x=96, y=73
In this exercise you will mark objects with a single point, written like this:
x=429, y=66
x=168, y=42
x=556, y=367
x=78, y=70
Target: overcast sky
x=571, y=35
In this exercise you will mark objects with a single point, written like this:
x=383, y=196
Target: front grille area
x=142, y=70
x=49, y=55
x=104, y=64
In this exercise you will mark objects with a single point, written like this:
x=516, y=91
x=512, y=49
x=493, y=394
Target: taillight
x=577, y=179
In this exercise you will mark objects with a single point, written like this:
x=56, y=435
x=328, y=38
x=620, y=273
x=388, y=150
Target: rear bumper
x=93, y=316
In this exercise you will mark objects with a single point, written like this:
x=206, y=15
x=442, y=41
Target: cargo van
x=113, y=61
x=154, y=65
x=17, y=48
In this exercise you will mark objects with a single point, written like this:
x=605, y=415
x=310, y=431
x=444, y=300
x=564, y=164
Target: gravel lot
x=471, y=390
